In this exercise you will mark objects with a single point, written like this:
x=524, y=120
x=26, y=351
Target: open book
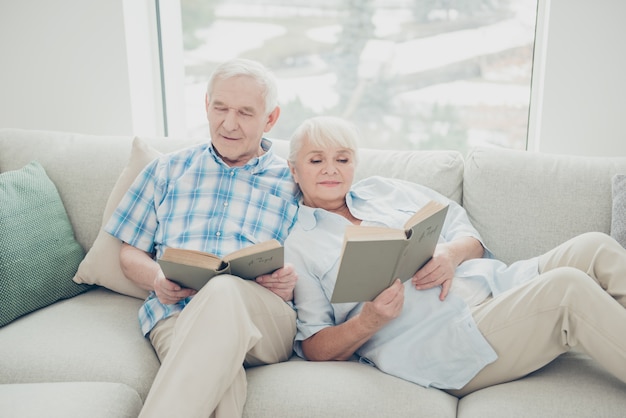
x=190, y=268
x=373, y=257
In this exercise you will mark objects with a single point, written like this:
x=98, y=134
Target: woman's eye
x=343, y=160
x=316, y=161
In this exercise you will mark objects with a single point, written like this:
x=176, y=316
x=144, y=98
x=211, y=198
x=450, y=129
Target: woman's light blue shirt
x=432, y=343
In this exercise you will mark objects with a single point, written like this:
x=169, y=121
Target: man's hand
x=169, y=292
x=281, y=282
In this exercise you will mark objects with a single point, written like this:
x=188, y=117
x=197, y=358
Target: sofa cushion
x=93, y=337
x=299, y=389
x=101, y=266
x=618, y=214
x=69, y=400
x=525, y=203
x=571, y=386
x=38, y=251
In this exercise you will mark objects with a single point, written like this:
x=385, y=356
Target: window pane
x=412, y=74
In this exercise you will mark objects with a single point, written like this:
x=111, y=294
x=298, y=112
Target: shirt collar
x=308, y=217
x=255, y=164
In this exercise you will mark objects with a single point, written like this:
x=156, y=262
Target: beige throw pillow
x=101, y=265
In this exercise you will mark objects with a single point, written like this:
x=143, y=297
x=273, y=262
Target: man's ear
x=206, y=103
x=292, y=168
x=272, y=118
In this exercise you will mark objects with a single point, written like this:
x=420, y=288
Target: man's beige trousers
x=229, y=323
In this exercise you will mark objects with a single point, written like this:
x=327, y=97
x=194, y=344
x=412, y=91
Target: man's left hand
x=281, y=282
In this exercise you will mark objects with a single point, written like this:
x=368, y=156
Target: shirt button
x=218, y=233
x=225, y=204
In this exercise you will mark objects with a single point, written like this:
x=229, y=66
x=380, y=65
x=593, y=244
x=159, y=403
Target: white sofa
x=85, y=356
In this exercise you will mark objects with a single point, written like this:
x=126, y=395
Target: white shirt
x=432, y=343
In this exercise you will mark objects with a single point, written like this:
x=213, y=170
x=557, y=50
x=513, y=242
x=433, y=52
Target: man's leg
x=531, y=325
x=598, y=255
x=228, y=322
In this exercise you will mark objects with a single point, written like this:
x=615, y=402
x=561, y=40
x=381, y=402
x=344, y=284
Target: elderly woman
x=465, y=320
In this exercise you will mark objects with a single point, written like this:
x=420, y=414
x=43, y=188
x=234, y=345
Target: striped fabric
x=192, y=199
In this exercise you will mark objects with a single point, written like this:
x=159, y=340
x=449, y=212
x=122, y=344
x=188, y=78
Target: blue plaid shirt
x=192, y=199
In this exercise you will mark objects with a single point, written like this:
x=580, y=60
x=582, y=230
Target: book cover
x=193, y=269
x=373, y=257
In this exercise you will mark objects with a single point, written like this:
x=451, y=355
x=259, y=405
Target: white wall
x=582, y=106
x=66, y=65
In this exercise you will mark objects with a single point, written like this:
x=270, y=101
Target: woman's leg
x=596, y=254
x=531, y=325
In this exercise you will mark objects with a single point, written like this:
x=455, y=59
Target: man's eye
x=242, y=113
x=220, y=109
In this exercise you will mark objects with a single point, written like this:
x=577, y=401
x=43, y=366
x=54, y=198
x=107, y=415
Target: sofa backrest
x=525, y=203
x=84, y=168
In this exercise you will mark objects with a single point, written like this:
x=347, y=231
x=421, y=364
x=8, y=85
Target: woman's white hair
x=324, y=132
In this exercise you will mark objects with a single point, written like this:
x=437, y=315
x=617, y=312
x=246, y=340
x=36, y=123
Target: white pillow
x=101, y=265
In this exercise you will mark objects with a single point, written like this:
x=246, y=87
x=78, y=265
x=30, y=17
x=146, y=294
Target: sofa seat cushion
x=69, y=400
x=92, y=337
x=571, y=386
x=299, y=388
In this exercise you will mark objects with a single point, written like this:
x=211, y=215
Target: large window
x=412, y=74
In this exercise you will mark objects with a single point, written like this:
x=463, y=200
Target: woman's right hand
x=384, y=308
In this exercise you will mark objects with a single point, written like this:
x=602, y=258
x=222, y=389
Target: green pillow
x=38, y=251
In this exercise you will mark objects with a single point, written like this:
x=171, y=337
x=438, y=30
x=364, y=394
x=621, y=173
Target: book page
x=371, y=233
x=424, y=212
x=192, y=258
x=253, y=249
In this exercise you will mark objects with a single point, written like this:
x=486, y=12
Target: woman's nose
x=330, y=168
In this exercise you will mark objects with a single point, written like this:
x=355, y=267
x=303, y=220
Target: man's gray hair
x=244, y=67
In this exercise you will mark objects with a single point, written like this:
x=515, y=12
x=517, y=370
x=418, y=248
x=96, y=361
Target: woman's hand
x=385, y=307
x=281, y=282
x=439, y=271
x=340, y=342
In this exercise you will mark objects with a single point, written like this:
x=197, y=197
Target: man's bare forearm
x=138, y=266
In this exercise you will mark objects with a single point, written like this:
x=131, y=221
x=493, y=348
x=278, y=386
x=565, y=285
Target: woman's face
x=324, y=175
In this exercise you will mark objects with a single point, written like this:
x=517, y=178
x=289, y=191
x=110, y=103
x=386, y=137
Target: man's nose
x=231, y=120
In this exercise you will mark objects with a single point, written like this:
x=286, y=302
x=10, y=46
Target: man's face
x=237, y=119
